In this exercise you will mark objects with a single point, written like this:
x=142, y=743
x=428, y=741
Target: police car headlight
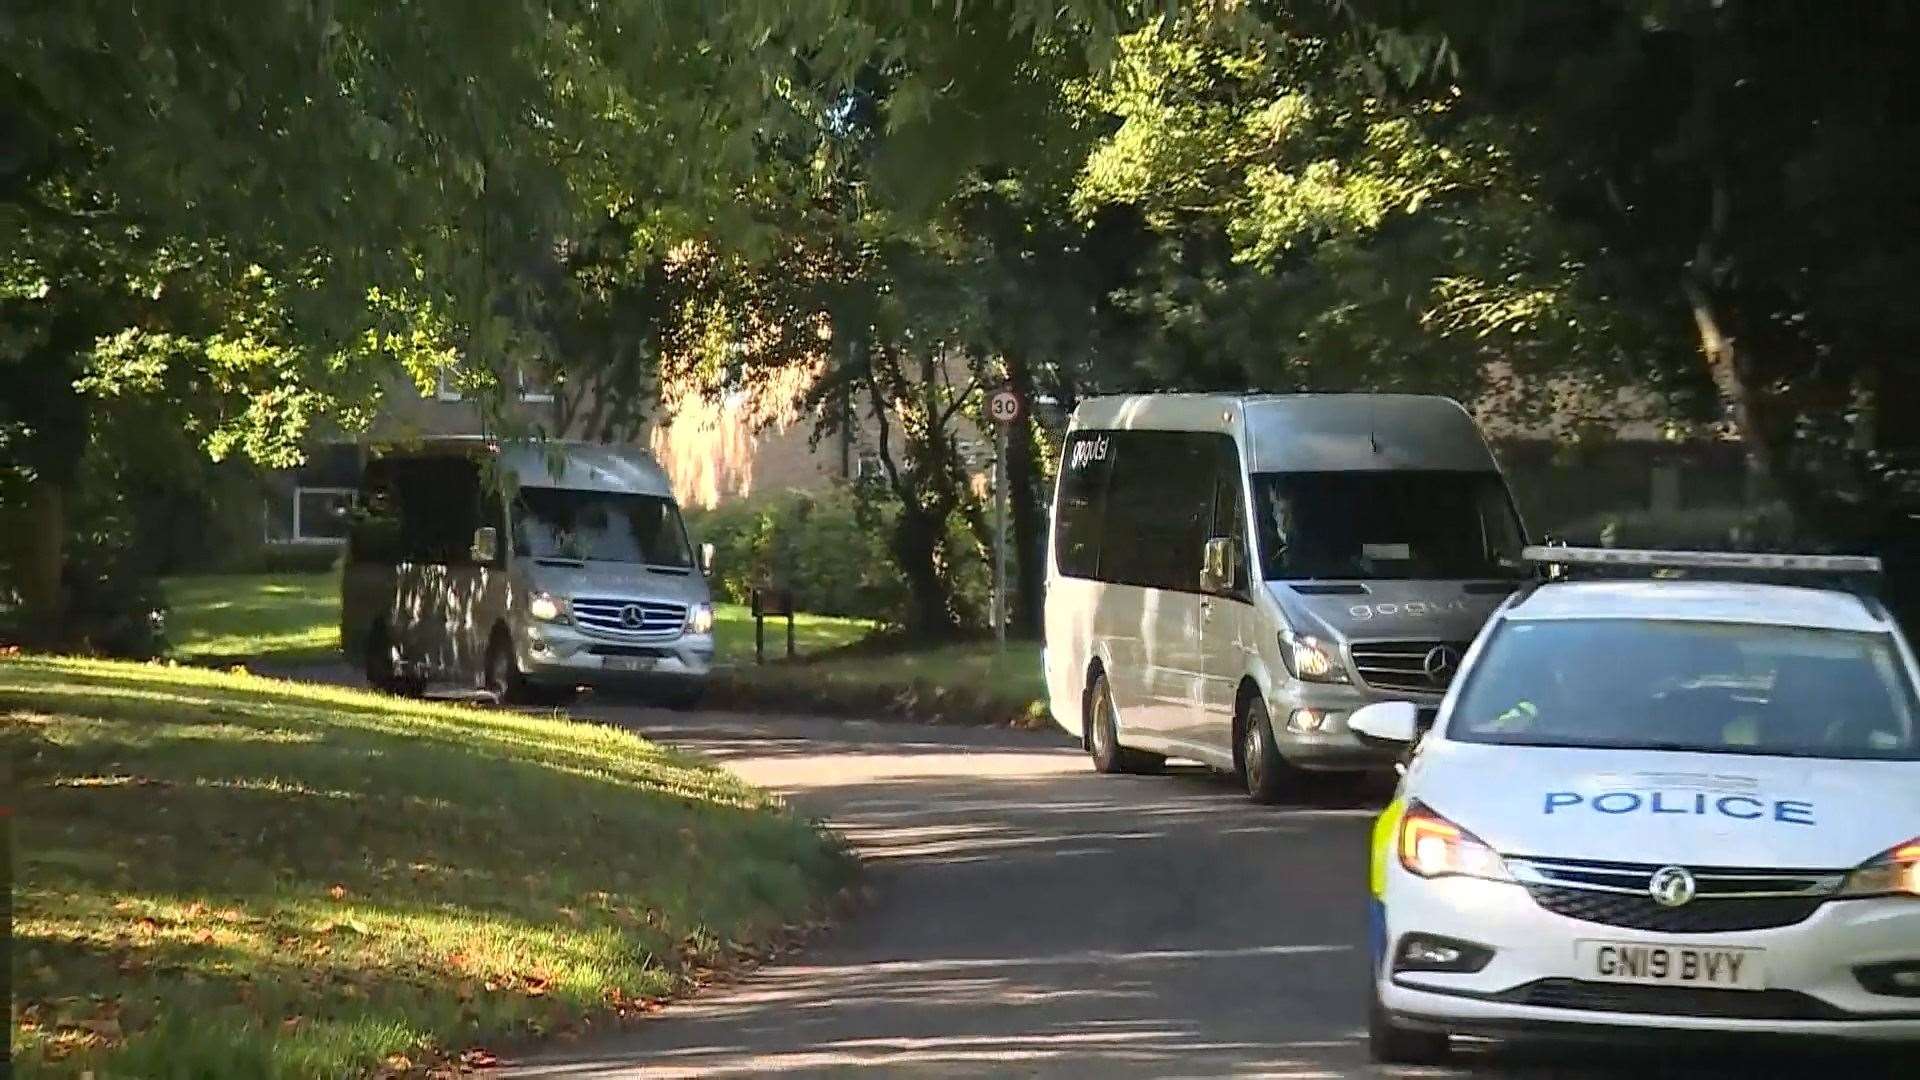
x=1895, y=873
x=700, y=619
x=547, y=608
x=1432, y=847
x=1310, y=659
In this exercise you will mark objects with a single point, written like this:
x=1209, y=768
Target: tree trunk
x=1724, y=366
x=1721, y=351
x=43, y=593
x=1029, y=521
x=915, y=546
x=917, y=532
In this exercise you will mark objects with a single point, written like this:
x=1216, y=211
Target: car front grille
x=1726, y=898
x=1422, y=667
x=1671, y=1001
x=629, y=619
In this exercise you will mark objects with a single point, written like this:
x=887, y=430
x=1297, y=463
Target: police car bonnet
x=1702, y=809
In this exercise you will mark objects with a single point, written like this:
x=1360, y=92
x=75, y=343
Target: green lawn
x=812, y=634
x=280, y=617
x=296, y=617
x=224, y=875
x=973, y=681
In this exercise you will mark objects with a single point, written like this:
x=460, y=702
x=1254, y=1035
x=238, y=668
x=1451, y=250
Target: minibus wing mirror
x=706, y=559
x=486, y=545
x=1220, y=565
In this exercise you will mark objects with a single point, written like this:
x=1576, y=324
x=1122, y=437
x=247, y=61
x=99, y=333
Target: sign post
x=1004, y=408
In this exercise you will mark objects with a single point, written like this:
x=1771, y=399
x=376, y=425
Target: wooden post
x=759, y=629
x=770, y=602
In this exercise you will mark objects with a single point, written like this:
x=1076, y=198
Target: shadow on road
x=1033, y=918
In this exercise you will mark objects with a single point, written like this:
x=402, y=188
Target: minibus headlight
x=547, y=608
x=1310, y=659
x=700, y=619
x=1431, y=846
x=1893, y=873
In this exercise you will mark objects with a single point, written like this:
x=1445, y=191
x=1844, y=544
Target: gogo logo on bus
x=1087, y=452
x=1697, y=804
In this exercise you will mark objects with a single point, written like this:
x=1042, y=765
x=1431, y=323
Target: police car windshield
x=1690, y=686
x=1375, y=525
x=599, y=526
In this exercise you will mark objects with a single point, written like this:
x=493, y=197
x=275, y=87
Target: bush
x=283, y=559
x=819, y=544
x=113, y=608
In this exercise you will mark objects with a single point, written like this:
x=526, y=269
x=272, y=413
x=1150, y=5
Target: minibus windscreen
x=1426, y=524
x=600, y=526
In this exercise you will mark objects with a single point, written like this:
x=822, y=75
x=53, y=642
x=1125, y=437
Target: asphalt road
x=1034, y=918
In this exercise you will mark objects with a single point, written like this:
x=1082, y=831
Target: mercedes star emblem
x=1440, y=664
x=631, y=616
x=1671, y=886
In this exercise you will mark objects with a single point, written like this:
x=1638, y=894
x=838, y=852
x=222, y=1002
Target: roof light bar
x=1706, y=560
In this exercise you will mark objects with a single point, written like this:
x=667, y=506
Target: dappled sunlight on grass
x=284, y=617
x=322, y=878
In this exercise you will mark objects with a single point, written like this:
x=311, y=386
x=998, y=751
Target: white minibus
x=525, y=569
x=1230, y=577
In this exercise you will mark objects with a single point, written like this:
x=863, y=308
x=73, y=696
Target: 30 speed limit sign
x=1004, y=406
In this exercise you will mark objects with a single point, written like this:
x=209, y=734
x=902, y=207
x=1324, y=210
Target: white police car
x=1664, y=804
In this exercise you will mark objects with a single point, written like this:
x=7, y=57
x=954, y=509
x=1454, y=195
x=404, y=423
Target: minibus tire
x=1390, y=1044
x=1265, y=774
x=380, y=669
x=502, y=674
x=1103, y=740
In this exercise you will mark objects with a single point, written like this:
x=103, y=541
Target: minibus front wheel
x=504, y=679
x=1266, y=774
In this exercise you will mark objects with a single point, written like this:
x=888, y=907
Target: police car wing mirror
x=1387, y=721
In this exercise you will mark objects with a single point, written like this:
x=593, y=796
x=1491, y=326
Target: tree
x=1315, y=231
x=1048, y=320
x=384, y=173
x=1739, y=168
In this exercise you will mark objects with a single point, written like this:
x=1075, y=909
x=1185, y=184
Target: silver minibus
x=524, y=569
x=1230, y=577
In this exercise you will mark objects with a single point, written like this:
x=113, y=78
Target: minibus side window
x=1159, y=509
x=440, y=506
x=375, y=536
x=1081, y=504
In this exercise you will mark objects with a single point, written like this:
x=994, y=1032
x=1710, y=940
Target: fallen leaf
x=338, y=892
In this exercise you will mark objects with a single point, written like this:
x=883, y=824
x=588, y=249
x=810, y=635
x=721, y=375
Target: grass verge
x=968, y=683
x=285, y=618
x=222, y=875
x=295, y=618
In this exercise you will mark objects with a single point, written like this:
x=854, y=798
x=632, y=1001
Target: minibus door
x=1228, y=616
